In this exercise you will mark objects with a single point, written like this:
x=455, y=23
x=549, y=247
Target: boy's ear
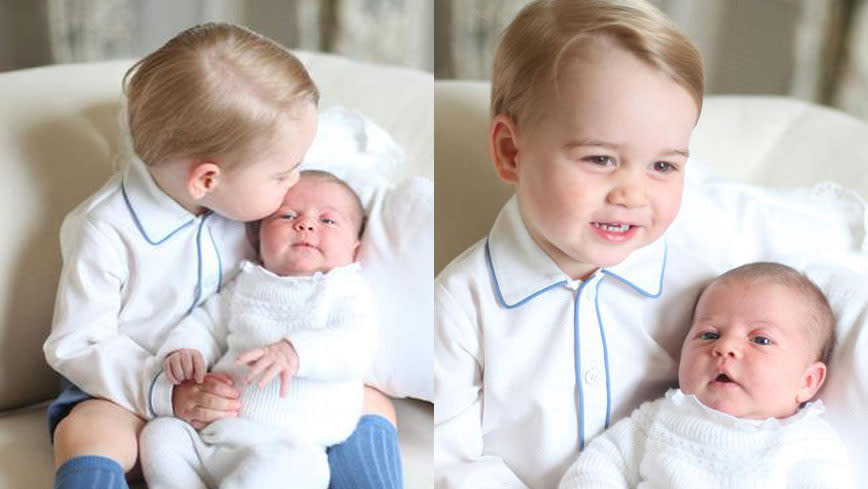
x=503, y=146
x=812, y=380
x=202, y=178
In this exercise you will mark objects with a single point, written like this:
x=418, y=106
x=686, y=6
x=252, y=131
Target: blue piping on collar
x=198, y=266
x=139, y=223
x=219, y=261
x=636, y=287
x=497, y=286
x=605, y=354
x=578, y=366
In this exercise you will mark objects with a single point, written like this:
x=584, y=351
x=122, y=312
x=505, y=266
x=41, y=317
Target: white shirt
x=513, y=334
x=678, y=443
x=330, y=320
x=134, y=263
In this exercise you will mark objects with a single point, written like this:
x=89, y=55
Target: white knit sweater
x=328, y=318
x=678, y=443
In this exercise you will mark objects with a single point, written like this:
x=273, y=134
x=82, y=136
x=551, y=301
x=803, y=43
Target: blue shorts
x=69, y=396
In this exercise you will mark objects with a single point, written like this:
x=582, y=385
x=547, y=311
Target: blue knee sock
x=90, y=472
x=368, y=459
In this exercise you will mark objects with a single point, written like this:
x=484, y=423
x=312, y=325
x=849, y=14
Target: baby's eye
x=328, y=221
x=708, y=335
x=762, y=340
x=289, y=215
x=663, y=167
x=600, y=160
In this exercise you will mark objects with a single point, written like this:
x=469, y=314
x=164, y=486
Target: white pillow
x=397, y=251
x=730, y=223
x=845, y=392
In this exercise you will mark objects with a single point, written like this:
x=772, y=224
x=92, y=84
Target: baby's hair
x=821, y=324
x=253, y=226
x=212, y=91
x=536, y=44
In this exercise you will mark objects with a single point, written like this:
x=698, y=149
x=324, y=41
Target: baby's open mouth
x=723, y=378
x=612, y=227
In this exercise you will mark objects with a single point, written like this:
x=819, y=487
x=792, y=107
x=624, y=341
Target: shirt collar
x=521, y=270
x=156, y=215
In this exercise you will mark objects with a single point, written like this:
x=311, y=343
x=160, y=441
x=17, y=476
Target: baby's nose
x=304, y=225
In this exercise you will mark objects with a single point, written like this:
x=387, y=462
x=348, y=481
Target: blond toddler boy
x=217, y=121
x=559, y=322
x=303, y=314
x=753, y=359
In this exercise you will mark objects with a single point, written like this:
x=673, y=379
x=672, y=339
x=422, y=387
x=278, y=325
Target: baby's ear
x=812, y=380
x=356, y=249
x=202, y=178
x=503, y=146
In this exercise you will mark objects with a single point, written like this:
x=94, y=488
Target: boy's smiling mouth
x=614, y=232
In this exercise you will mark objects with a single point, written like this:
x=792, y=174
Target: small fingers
x=187, y=364
x=285, y=378
x=270, y=373
x=175, y=369
x=217, y=386
x=250, y=356
x=198, y=367
x=256, y=368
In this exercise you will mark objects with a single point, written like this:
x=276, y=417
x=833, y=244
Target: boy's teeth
x=620, y=228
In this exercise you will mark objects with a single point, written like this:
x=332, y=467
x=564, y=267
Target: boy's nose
x=628, y=191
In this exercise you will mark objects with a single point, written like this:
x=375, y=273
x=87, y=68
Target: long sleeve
x=459, y=462
x=345, y=348
x=609, y=461
x=86, y=345
x=204, y=329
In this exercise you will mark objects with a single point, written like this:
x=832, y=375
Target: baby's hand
x=184, y=364
x=276, y=358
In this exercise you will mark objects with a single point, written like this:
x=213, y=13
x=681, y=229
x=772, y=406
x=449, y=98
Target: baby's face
x=314, y=230
x=748, y=352
x=601, y=174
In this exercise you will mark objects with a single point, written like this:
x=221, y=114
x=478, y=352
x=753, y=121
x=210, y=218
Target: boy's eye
x=762, y=340
x=708, y=335
x=600, y=160
x=328, y=221
x=289, y=215
x=663, y=167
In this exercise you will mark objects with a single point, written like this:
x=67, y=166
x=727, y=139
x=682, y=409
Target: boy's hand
x=184, y=364
x=276, y=358
x=203, y=403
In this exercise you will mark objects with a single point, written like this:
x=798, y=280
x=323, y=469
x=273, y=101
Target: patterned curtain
x=387, y=31
x=815, y=50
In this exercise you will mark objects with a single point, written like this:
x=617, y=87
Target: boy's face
x=254, y=189
x=601, y=172
x=748, y=352
x=314, y=230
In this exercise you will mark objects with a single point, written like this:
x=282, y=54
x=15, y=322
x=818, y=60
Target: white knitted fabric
x=328, y=318
x=678, y=443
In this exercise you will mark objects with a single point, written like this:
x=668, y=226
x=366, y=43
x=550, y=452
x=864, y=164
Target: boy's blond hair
x=211, y=91
x=546, y=32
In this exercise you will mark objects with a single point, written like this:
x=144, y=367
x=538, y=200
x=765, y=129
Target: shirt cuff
x=160, y=398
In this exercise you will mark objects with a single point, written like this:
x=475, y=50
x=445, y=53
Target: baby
x=304, y=314
x=754, y=357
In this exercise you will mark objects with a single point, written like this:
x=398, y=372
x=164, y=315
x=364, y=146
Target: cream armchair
x=58, y=136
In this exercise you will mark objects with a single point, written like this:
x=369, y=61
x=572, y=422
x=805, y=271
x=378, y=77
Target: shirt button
x=592, y=377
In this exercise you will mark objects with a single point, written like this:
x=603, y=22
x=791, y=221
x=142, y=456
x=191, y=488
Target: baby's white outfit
x=678, y=443
x=275, y=442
